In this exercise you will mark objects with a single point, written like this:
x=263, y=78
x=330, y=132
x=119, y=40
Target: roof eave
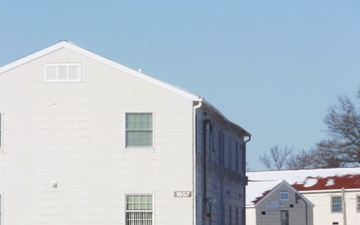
x=277, y=187
x=233, y=125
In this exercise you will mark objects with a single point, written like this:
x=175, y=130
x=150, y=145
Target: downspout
x=306, y=213
x=245, y=180
x=297, y=196
x=194, y=159
x=248, y=140
x=204, y=145
x=343, y=205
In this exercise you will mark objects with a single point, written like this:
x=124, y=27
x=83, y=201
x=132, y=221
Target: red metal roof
x=302, y=180
x=329, y=183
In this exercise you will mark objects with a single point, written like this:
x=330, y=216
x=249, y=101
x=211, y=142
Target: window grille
x=336, y=204
x=63, y=72
x=139, y=209
x=139, y=130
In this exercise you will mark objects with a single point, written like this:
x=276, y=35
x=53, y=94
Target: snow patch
x=257, y=189
x=310, y=182
x=330, y=182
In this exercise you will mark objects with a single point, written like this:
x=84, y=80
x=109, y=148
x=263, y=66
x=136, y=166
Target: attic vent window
x=284, y=196
x=63, y=72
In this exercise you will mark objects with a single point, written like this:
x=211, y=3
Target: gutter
x=245, y=177
x=328, y=191
x=299, y=197
x=195, y=107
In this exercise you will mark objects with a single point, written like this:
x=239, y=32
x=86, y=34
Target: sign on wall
x=182, y=194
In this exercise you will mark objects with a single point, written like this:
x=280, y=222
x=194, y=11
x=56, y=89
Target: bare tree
x=341, y=149
x=266, y=161
x=302, y=160
x=277, y=158
x=343, y=146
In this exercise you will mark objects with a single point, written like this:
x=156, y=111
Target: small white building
x=335, y=193
x=276, y=203
x=85, y=140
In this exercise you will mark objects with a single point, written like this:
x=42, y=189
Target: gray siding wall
x=219, y=158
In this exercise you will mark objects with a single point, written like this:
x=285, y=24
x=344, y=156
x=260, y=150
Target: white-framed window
x=284, y=196
x=139, y=130
x=357, y=203
x=139, y=209
x=336, y=204
x=62, y=72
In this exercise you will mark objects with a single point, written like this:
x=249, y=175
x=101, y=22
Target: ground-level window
x=336, y=204
x=284, y=196
x=358, y=203
x=139, y=130
x=139, y=209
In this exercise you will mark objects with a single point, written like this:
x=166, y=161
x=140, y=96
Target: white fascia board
x=290, y=187
x=270, y=192
x=115, y=65
x=132, y=72
x=330, y=191
x=31, y=57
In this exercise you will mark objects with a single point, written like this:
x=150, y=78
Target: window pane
x=51, y=73
x=62, y=72
x=149, y=200
x=74, y=72
x=140, y=121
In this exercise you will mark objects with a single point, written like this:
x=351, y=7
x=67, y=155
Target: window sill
x=139, y=148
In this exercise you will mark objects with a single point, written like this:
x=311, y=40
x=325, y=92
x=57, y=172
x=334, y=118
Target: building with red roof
x=276, y=202
x=335, y=193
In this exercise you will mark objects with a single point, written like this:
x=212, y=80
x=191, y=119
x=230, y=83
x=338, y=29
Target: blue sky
x=273, y=67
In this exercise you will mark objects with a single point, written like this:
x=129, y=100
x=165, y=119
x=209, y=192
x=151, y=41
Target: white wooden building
x=85, y=140
x=335, y=193
x=276, y=203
